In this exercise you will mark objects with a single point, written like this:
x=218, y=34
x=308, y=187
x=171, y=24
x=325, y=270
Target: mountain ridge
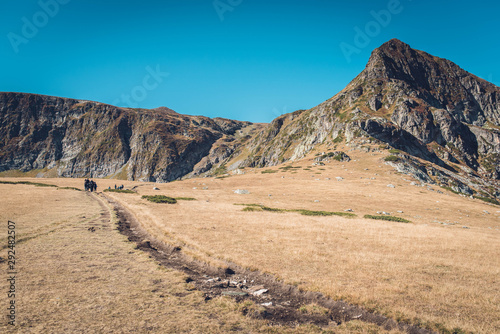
x=428, y=107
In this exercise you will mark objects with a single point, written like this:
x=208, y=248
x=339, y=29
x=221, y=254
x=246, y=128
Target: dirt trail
x=281, y=303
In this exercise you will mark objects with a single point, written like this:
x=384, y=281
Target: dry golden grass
x=435, y=275
x=71, y=280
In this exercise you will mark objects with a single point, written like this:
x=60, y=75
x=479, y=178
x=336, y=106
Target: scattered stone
x=260, y=292
x=241, y=192
x=195, y=188
x=328, y=179
x=400, y=211
x=205, y=188
x=316, y=201
x=466, y=227
x=255, y=288
x=267, y=304
x=391, y=186
x=234, y=293
x=486, y=212
x=349, y=210
x=383, y=213
x=155, y=188
x=339, y=178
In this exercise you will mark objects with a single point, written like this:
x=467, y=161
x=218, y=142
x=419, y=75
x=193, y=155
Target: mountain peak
x=394, y=44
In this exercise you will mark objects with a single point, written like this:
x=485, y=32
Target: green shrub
x=252, y=208
x=124, y=191
x=69, y=188
x=160, y=199
x=265, y=208
x=185, y=198
x=488, y=200
x=259, y=207
x=387, y=218
x=394, y=151
x=391, y=158
x=289, y=167
x=269, y=171
x=36, y=184
x=324, y=213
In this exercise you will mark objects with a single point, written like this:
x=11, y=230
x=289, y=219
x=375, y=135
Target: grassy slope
x=71, y=279
x=440, y=276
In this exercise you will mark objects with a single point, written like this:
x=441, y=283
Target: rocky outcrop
x=90, y=139
x=427, y=106
x=405, y=99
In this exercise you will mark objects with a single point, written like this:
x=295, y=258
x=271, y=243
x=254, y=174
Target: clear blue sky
x=240, y=59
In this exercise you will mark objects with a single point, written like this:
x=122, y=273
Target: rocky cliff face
x=445, y=121
x=424, y=105
x=90, y=139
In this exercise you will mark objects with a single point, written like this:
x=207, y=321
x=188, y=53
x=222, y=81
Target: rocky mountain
x=437, y=121
x=72, y=138
x=406, y=99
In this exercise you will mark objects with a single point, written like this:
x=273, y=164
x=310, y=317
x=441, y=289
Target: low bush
x=387, y=218
x=325, y=213
x=392, y=158
x=160, y=199
x=36, y=184
x=123, y=191
x=69, y=188
x=488, y=200
x=259, y=207
x=252, y=208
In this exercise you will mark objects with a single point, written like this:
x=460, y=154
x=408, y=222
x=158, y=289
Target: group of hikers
x=90, y=185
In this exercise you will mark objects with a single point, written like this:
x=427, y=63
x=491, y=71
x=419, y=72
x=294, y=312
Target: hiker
x=86, y=184
x=115, y=186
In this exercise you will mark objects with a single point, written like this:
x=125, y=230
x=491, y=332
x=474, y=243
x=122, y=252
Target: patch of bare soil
x=281, y=304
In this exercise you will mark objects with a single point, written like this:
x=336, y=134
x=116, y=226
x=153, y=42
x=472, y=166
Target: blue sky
x=241, y=59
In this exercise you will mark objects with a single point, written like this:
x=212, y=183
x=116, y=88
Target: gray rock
x=260, y=292
x=241, y=192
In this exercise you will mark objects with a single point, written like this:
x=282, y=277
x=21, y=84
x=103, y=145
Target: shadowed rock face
x=409, y=99
x=90, y=139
